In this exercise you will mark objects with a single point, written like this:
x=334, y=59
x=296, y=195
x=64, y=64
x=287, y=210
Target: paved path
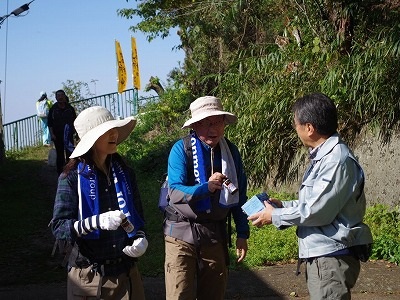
x=378, y=281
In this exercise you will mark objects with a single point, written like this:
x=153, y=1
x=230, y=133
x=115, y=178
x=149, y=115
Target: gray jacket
x=331, y=204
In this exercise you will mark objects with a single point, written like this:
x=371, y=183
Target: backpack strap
x=164, y=197
x=187, y=145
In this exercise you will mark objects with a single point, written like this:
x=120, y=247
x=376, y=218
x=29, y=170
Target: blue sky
x=60, y=40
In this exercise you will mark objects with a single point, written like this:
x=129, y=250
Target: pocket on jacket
x=208, y=233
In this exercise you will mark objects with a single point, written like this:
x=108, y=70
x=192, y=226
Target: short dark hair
x=60, y=91
x=318, y=110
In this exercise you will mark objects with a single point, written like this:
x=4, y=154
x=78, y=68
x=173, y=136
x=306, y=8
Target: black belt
x=86, y=263
x=112, y=267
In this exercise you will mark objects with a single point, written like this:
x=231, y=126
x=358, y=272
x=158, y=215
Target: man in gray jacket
x=329, y=212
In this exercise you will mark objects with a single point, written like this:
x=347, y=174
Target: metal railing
x=27, y=132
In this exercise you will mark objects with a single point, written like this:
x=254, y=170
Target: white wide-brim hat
x=93, y=122
x=205, y=107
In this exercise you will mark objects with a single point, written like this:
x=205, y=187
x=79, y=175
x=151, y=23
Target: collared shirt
x=312, y=153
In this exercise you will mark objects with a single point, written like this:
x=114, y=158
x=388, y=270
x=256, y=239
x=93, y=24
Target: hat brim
x=124, y=127
x=229, y=118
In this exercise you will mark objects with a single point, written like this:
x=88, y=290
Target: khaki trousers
x=332, y=277
x=182, y=278
x=83, y=284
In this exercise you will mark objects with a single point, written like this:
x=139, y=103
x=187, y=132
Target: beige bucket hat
x=207, y=106
x=93, y=122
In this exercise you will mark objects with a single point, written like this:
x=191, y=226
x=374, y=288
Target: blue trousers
x=46, y=138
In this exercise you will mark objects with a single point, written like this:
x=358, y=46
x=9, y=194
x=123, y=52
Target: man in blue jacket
x=329, y=212
x=201, y=197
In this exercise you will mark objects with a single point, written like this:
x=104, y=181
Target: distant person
x=97, y=193
x=60, y=115
x=329, y=212
x=69, y=132
x=195, y=227
x=43, y=106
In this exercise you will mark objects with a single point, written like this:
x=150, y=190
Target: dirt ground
x=378, y=280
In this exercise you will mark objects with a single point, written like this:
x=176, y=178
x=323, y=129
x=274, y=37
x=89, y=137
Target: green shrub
x=385, y=226
x=268, y=245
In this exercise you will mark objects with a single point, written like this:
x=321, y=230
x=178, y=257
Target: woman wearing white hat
x=98, y=211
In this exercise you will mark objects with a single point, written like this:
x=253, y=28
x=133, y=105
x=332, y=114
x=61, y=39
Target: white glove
x=106, y=221
x=138, y=247
x=110, y=220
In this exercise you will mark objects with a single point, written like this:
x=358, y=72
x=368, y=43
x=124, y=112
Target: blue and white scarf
x=200, y=173
x=89, y=196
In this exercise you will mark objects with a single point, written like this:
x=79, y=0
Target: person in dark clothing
x=61, y=114
x=98, y=211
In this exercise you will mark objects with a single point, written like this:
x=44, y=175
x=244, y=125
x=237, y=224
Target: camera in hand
x=230, y=186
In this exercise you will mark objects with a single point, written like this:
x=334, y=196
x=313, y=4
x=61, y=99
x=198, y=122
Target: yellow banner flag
x=121, y=70
x=135, y=65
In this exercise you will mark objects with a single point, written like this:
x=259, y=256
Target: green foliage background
x=259, y=56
